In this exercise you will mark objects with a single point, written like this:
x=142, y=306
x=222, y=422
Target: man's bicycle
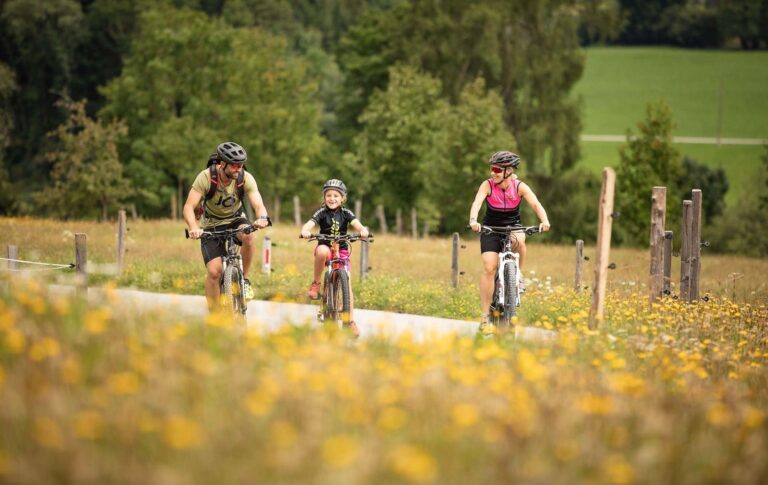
x=232, y=282
x=336, y=293
x=507, y=284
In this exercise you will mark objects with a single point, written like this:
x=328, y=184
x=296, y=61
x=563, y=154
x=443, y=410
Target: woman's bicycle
x=336, y=292
x=507, y=285
x=232, y=282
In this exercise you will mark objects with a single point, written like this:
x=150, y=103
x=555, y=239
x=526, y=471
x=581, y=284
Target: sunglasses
x=497, y=170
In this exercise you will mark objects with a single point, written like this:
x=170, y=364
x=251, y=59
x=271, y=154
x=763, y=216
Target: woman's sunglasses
x=497, y=170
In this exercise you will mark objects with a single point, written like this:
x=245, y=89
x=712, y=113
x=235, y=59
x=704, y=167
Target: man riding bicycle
x=502, y=194
x=221, y=189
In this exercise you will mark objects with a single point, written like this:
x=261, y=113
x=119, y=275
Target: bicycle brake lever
x=186, y=233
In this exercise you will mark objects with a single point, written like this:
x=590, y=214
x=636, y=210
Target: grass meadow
x=663, y=394
x=619, y=82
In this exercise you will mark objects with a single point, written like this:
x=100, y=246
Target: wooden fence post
x=266, y=255
x=414, y=229
x=658, y=216
x=363, y=261
x=359, y=209
x=695, y=245
x=81, y=264
x=120, y=241
x=666, y=285
x=603, y=249
x=174, y=207
x=382, y=218
x=296, y=211
x=455, y=261
x=399, y=221
x=579, y=264
x=13, y=253
x=685, y=252
x=276, y=211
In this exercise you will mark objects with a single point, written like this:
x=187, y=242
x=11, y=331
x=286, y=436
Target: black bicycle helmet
x=335, y=184
x=231, y=152
x=504, y=159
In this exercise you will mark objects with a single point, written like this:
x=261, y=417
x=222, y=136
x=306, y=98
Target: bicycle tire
x=510, y=293
x=327, y=300
x=232, y=290
x=341, y=295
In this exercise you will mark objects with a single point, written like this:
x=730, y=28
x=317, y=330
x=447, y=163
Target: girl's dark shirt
x=333, y=223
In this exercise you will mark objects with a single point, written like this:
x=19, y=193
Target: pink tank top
x=503, y=199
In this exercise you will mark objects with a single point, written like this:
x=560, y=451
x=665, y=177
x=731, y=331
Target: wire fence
x=49, y=266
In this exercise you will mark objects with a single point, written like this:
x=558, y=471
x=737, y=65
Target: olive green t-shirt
x=225, y=206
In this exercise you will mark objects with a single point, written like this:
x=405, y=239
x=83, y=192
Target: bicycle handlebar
x=228, y=232
x=338, y=238
x=508, y=229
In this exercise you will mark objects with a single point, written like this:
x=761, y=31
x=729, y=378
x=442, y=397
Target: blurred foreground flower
x=340, y=451
x=413, y=463
x=182, y=433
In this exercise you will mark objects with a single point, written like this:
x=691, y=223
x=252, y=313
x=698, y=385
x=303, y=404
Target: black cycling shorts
x=215, y=248
x=493, y=242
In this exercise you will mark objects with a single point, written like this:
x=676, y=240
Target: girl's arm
x=482, y=193
x=306, y=228
x=527, y=194
x=359, y=227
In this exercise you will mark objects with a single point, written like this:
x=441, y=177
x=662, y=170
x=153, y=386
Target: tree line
x=113, y=102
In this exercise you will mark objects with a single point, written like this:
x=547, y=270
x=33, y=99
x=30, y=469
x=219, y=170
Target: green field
x=619, y=82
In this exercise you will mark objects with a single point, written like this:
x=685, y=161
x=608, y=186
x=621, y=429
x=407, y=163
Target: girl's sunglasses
x=497, y=170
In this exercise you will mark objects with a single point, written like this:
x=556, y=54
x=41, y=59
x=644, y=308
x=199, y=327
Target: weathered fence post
x=658, y=216
x=685, y=252
x=174, y=207
x=695, y=246
x=579, y=264
x=364, y=261
x=296, y=210
x=666, y=285
x=399, y=221
x=13, y=254
x=134, y=212
x=605, y=222
x=414, y=229
x=382, y=218
x=455, y=261
x=359, y=209
x=81, y=264
x=120, y=241
x=266, y=255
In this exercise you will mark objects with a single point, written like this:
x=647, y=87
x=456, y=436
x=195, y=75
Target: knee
x=489, y=269
x=214, y=274
x=322, y=253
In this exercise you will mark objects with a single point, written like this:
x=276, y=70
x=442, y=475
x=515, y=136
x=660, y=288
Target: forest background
x=108, y=104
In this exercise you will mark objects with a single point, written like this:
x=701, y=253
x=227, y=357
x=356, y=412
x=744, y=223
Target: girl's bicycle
x=336, y=292
x=232, y=277
x=507, y=285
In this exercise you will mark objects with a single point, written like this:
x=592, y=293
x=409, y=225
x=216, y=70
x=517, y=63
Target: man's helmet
x=504, y=159
x=335, y=184
x=231, y=152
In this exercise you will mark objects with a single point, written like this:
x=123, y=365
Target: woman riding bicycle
x=502, y=194
x=223, y=209
x=333, y=219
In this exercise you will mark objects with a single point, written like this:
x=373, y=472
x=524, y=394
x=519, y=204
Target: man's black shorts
x=215, y=248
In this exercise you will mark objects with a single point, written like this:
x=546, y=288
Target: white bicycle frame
x=505, y=258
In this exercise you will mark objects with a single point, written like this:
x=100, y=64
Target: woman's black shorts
x=493, y=242
x=215, y=248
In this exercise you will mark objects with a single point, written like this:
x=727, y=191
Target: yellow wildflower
x=340, y=451
x=392, y=418
x=123, y=383
x=413, y=463
x=46, y=347
x=48, y=433
x=465, y=415
x=95, y=321
x=181, y=433
x=283, y=434
x=88, y=425
x=596, y=404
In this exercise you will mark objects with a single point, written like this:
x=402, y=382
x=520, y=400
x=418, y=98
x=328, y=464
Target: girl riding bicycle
x=333, y=219
x=502, y=194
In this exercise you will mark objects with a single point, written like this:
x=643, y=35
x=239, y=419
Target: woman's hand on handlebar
x=475, y=226
x=544, y=227
x=305, y=234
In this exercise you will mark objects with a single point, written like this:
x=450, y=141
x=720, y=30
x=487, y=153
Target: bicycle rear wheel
x=510, y=294
x=232, y=290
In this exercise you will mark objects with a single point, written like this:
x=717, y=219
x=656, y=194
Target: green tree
x=649, y=159
x=712, y=182
x=7, y=87
x=87, y=173
x=744, y=20
x=249, y=88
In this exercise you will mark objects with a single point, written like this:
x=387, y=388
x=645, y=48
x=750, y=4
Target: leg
x=322, y=253
x=519, y=247
x=212, y=280
x=490, y=264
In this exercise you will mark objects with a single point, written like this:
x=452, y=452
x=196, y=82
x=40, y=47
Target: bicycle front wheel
x=510, y=293
x=232, y=290
x=340, y=295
